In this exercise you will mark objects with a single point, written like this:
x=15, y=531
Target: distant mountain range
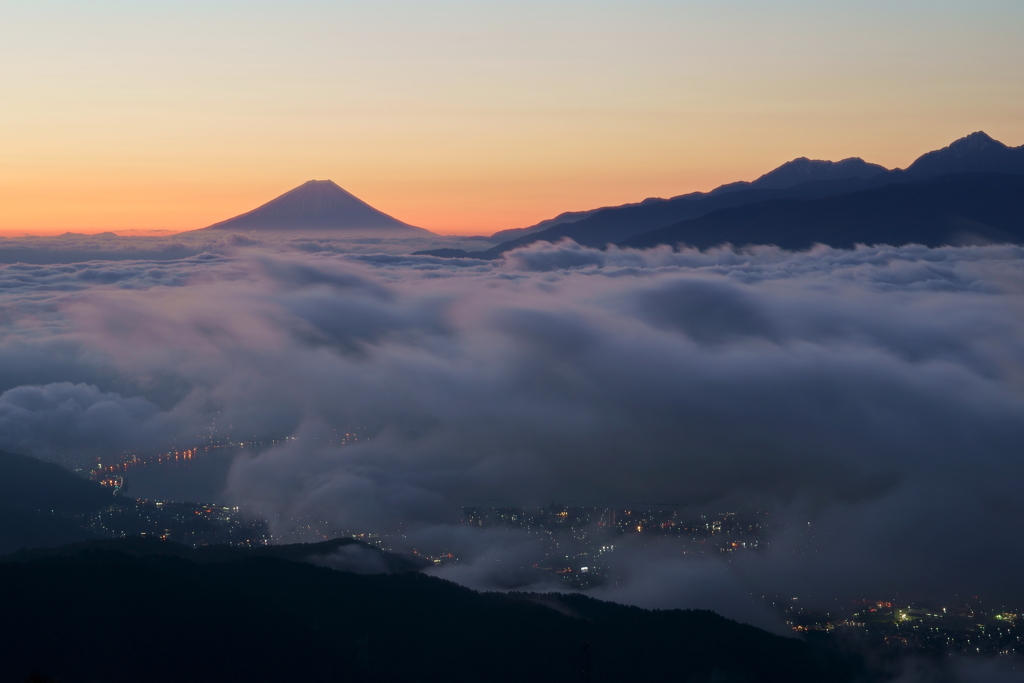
x=965, y=193
x=318, y=205
x=956, y=209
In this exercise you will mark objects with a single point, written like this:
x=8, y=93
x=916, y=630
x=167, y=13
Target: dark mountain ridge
x=317, y=205
x=138, y=546
x=560, y=219
x=31, y=484
x=107, y=615
x=38, y=501
x=791, y=173
x=956, y=209
x=975, y=153
x=614, y=224
x=800, y=179
x=804, y=170
x=127, y=609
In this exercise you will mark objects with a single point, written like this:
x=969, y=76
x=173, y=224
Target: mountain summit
x=317, y=205
x=805, y=201
x=975, y=153
x=804, y=170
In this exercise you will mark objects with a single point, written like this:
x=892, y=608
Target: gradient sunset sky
x=470, y=117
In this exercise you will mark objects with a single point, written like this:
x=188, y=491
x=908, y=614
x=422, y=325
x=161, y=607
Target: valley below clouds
x=872, y=400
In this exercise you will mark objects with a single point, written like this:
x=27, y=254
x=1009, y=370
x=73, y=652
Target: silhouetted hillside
x=966, y=208
x=804, y=170
x=564, y=217
x=390, y=563
x=614, y=224
x=37, y=499
x=110, y=616
x=21, y=528
x=611, y=225
x=800, y=179
x=31, y=484
x=976, y=153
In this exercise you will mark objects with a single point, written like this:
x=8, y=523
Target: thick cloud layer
x=71, y=248
x=877, y=394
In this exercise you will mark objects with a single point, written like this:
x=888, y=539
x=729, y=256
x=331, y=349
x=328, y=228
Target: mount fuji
x=318, y=206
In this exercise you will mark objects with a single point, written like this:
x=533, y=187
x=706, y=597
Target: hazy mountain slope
x=954, y=209
x=804, y=170
x=31, y=484
x=609, y=226
x=565, y=217
x=318, y=205
x=139, y=546
x=614, y=224
x=21, y=528
x=109, y=616
x=37, y=499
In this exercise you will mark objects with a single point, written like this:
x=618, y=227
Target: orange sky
x=469, y=117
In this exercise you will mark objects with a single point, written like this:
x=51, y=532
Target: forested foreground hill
x=100, y=614
x=38, y=501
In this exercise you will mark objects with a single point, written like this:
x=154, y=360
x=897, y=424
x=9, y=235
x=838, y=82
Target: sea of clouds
x=873, y=399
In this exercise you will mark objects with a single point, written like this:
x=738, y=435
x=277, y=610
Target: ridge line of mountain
x=951, y=210
x=801, y=178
